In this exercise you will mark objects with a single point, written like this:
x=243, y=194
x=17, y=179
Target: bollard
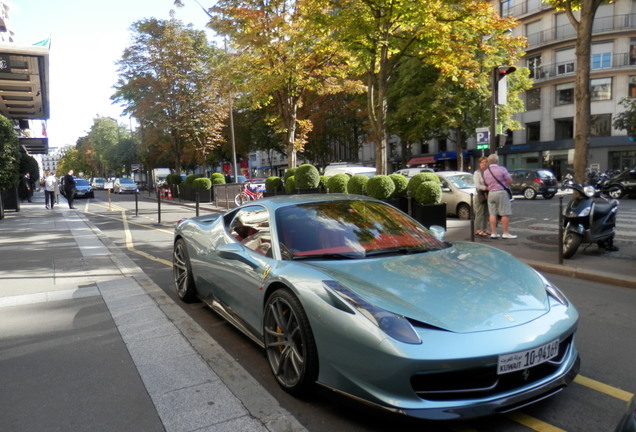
x=408, y=199
x=197, y=200
x=109, y=202
x=158, y=206
x=560, y=238
x=472, y=218
x=136, y=203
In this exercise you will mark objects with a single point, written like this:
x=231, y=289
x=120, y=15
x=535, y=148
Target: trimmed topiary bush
x=217, y=178
x=400, y=183
x=380, y=187
x=417, y=179
x=323, y=183
x=307, y=177
x=273, y=185
x=290, y=185
x=190, y=179
x=428, y=192
x=173, y=179
x=290, y=172
x=202, y=183
x=338, y=183
x=357, y=184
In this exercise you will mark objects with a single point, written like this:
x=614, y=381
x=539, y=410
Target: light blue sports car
x=350, y=293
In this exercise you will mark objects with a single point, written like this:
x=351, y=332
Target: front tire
x=529, y=193
x=289, y=343
x=571, y=243
x=615, y=191
x=463, y=212
x=548, y=196
x=182, y=271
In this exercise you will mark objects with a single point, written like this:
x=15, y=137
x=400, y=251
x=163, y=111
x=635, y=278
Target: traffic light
x=500, y=84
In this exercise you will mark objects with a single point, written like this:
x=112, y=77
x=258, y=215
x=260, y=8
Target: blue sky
x=87, y=38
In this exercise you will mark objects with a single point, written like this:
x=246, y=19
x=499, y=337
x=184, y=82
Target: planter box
x=188, y=193
x=401, y=203
x=429, y=214
x=10, y=199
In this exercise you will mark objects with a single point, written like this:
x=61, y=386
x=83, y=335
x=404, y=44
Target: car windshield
x=99, y=180
x=81, y=182
x=349, y=229
x=126, y=180
x=462, y=181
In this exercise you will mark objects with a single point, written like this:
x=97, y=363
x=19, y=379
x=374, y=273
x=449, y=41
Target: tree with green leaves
x=282, y=51
x=445, y=34
x=168, y=81
x=626, y=120
x=582, y=22
x=9, y=154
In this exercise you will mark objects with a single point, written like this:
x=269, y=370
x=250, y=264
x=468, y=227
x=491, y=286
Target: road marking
x=604, y=388
x=532, y=423
x=131, y=247
x=132, y=223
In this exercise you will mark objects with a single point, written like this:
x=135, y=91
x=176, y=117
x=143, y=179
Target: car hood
x=464, y=288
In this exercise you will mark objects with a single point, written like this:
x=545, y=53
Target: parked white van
x=333, y=169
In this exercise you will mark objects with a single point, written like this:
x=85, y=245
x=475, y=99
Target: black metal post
x=560, y=239
x=136, y=203
x=197, y=200
x=472, y=218
x=408, y=199
x=158, y=207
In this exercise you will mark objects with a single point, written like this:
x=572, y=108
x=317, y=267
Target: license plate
x=551, y=189
x=526, y=359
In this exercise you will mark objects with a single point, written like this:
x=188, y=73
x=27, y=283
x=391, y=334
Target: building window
x=601, y=125
x=533, y=99
x=534, y=64
x=601, y=89
x=632, y=87
x=632, y=52
x=563, y=128
x=505, y=8
x=602, y=61
x=565, y=94
x=533, y=132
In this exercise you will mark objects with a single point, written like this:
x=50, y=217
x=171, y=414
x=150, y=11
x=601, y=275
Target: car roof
x=275, y=202
x=451, y=173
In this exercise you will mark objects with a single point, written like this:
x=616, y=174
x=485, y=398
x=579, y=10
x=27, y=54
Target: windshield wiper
x=397, y=251
x=325, y=256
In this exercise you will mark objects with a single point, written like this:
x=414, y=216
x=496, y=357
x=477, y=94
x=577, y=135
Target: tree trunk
x=377, y=104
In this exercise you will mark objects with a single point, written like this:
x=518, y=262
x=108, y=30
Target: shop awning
x=450, y=155
x=421, y=160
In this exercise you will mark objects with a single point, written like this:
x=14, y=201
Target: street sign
x=483, y=139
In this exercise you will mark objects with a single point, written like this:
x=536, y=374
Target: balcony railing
x=565, y=32
x=563, y=69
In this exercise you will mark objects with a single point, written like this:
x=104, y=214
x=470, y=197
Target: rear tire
x=615, y=191
x=548, y=196
x=182, y=271
x=571, y=243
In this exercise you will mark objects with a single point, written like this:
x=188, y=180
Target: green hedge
x=273, y=185
x=428, y=192
x=380, y=187
x=420, y=178
x=338, y=183
x=400, y=183
x=290, y=185
x=357, y=184
x=307, y=177
x=173, y=179
x=190, y=179
x=202, y=183
x=218, y=178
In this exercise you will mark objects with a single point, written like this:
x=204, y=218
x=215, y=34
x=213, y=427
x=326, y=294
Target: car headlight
x=396, y=326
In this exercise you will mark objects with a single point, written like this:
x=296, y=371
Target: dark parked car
x=82, y=188
x=623, y=184
x=533, y=182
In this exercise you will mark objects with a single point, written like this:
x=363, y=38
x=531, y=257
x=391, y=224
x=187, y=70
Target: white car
x=410, y=172
x=457, y=186
x=333, y=169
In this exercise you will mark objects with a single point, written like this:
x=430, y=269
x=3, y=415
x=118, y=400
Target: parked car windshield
x=126, y=180
x=81, y=182
x=349, y=229
x=462, y=181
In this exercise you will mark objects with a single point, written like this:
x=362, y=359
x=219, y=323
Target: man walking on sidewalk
x=69, y=188
x=50, y=184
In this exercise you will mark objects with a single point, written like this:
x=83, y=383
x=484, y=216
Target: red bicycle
x=247, y=195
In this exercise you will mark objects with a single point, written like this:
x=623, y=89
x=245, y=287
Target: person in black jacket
x=69, y=188
x=25, y=189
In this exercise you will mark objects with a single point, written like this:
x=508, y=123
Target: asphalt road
x=593, y=403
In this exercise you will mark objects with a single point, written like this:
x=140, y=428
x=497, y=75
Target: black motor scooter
x=588, y=220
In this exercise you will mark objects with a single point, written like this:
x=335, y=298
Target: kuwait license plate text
x=526, y=359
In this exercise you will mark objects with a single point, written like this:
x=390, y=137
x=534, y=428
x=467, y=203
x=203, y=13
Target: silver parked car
x=457, y=186
x=125, y=185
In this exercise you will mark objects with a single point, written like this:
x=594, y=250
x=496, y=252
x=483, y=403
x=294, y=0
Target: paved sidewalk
x=89, y=342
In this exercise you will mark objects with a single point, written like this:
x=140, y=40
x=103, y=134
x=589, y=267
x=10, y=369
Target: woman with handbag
x=499, y=196
x=481, y=203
